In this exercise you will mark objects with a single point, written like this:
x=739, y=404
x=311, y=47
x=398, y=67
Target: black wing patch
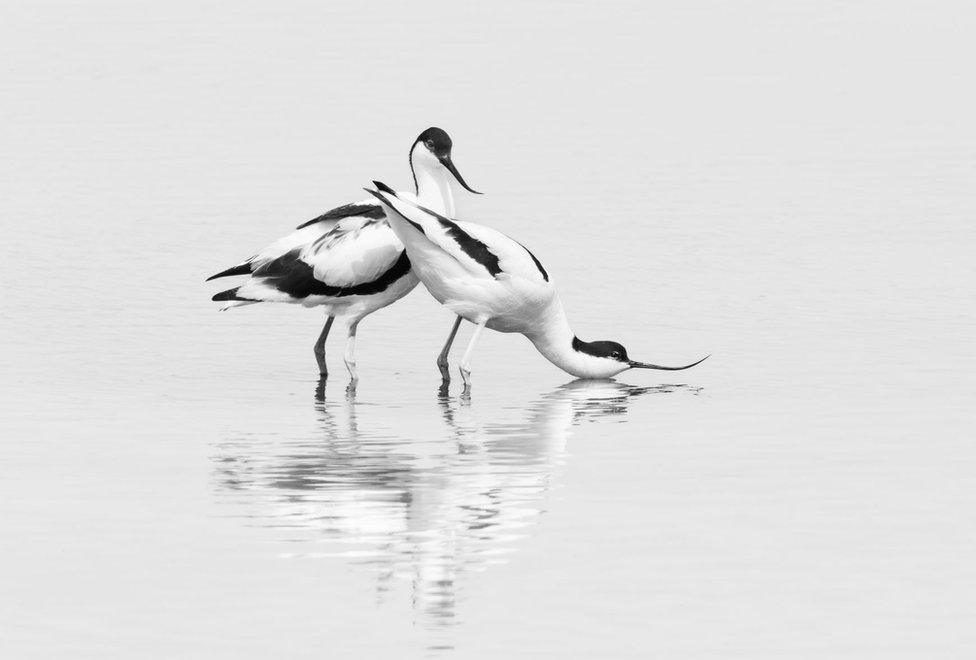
x=372, y=211
x=242, y=269
x=470, y=245
x=538, y=265
x=290, y=275
x=231, y=294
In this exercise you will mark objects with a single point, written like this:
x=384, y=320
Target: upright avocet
x=349, y=260
x=495, y=282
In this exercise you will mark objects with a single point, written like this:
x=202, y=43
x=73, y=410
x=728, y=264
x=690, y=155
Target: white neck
x=433, y=184
x=554, y=339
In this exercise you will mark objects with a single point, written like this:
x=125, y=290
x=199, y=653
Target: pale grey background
x=787, y=185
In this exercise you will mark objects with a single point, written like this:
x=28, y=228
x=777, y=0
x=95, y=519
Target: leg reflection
x=320, y=388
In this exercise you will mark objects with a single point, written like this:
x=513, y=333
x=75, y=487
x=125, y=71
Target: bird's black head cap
x=437, y=140
x=603, y=349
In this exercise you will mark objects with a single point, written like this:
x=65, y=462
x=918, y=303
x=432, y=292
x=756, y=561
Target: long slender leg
x=465, y=365
x=442, y=358
x=320, y=347
x=350, y=356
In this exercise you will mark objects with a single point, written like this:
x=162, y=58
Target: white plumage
x=355, y=250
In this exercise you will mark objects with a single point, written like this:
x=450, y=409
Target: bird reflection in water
x=428, y=509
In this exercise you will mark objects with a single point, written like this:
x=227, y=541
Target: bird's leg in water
x=442, y=358
x=465, y=365
x=350, y=356
x=320, y=348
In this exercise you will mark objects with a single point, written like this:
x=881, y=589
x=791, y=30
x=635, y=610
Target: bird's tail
x=231, y=297
x=422, y=219
x=240, y=269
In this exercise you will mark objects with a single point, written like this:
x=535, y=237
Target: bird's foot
x=466, y=377
x=445, y=370
x=444, y=389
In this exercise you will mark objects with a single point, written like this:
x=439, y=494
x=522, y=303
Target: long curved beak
x=646, y=365
x=449, y=164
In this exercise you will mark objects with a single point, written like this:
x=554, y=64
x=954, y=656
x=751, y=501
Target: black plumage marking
x=242, y=269
x=382, y=187
x=231, y=294
x=437, y=140
x=604, y=349
x=416, y=226
x=372, y=211
x=339, y=233
x=292, y=276
x=538, y=264
x=471, y=246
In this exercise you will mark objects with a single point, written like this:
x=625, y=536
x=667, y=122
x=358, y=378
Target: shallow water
x=789, y=188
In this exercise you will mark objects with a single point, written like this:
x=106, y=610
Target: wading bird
x=495, y=282
x=349, y=260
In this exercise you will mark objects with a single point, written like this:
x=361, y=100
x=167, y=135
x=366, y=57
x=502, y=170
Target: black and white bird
x=494, y=282
x=349, y=260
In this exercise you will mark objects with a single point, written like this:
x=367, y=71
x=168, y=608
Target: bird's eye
x=615, y=354
x=430, y=144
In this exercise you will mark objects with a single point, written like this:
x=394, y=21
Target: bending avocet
x=495, y=282
x=348, y=260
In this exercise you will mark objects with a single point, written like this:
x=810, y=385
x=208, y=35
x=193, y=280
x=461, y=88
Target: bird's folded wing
x=367, y=208
x=308, y=232
x=514, y=259
x=355, y=251
x=345, y=262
